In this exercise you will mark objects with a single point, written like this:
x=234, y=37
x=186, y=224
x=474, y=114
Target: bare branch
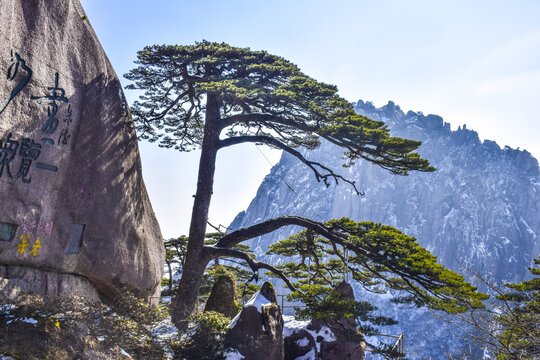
x=217, y=228
x=313, y=165
x=162, y=114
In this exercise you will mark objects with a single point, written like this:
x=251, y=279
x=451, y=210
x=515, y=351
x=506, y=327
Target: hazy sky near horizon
x=471, y=62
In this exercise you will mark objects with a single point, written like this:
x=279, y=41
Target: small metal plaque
x=7, y=231
x=75, y=239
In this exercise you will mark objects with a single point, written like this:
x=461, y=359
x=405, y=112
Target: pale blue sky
x=471, y=62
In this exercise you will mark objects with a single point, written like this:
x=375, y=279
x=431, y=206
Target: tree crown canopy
x=212, y=95
x=256, y=97
x=380, y=258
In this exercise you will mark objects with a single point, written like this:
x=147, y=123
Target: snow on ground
x=164, y=332
x=124, y=352
x=165, y=329
x=302, y=342
x=6, y=307
x=325, y=335
x=233, y=354
x=291, y=325
x=26, y=320
x=308, y=356
x=258, y=300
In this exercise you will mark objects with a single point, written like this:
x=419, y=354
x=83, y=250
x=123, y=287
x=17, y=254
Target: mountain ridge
x=478, y=210
x=477, y=165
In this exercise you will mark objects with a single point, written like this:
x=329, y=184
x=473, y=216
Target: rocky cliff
x=479, y=209
x=74, y=212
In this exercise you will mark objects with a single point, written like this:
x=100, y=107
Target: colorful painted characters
x=24, y=246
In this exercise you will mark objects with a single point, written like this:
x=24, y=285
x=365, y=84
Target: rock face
x=299, y=343
x=324, y=339
x=479, y=209
x=257, y=331
x=342, y=348
x=72, y=198
x=221, y=297
x=17, y=280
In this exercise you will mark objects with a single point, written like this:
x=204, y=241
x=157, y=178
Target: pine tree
x=518, y=319
x=212, y=96
x=379, y=258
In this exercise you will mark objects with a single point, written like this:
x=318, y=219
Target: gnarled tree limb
x=336, y=235
x=238, y=236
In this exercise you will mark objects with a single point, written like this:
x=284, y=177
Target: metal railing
x=398, y=347
x=283, y=306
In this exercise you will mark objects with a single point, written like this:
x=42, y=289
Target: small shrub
x=204, y=338
x=67, y=328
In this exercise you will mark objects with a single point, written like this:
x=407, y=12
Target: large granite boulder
x=324, y=339
x=257, y=331
x=72, y=199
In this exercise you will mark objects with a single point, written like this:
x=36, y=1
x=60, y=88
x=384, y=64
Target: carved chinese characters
x=73, y=205
x=12, y=72
x=18, y=155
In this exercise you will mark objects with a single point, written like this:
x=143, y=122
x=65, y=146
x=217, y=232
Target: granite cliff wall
x=74, y=211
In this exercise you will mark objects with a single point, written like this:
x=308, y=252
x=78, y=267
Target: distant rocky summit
x=75, y=217
x=479, y=210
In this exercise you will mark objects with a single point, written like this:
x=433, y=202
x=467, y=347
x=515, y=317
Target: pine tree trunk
x=195, y=263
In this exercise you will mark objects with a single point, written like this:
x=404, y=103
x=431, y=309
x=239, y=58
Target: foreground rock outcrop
x=222, y=296
x=257, y=331
x=73, y=205
x=260, y=332
x=324, y=339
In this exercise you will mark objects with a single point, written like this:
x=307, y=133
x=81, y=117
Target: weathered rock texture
x=257, y=332
x=221, y=297
x=346, y=345
x=17, y=280
x=300, y=344
x=326, y=339
x=72, y=197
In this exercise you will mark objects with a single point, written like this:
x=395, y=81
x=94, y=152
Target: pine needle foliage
x=204, y=339
x=258, y=94
x=519, y=321
x=380, y=258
